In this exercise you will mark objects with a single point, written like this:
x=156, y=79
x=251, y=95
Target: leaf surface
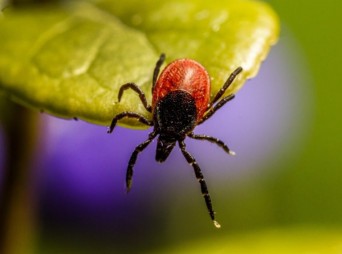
x=71, y=59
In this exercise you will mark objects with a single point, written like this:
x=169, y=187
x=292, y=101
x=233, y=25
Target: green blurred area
x=310, y=189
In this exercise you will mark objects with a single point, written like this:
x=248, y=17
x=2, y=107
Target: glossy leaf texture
x=71, y=59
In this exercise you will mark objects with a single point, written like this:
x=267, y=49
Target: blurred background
x=282, y=192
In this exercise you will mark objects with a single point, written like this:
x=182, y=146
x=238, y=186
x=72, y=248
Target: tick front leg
x=212, y=110
x=133, y=159
x=128, y=114
x=214, y=140
x=226, y=85
x=157, y=69
x=191, y=160
x=136, y=89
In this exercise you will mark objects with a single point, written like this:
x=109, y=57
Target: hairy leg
x=214, y=140
x=136, y=89
x=226, y=85
x=132, y=160
x=128, y=114
x=212, y=110
x=191, y=160
x=157, y=69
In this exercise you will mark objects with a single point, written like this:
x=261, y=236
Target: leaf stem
x=17, y=205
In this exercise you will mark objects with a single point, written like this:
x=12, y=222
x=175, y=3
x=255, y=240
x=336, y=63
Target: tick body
x=180, y=102
x=184, y=75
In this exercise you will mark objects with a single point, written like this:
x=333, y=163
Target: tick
x=180, y=102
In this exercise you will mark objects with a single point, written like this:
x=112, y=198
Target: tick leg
x=136, y=89
x=140, y=118
x=191, y=160
x=212, y=110
x=157, y=69
x=132, y=160
x=214, y=140
x=225, y=86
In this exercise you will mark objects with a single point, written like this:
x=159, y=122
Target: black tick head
x=164, y=148
x=175, y=116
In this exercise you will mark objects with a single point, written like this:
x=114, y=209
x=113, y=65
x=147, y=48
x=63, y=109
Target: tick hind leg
x=191, y=160
x=133, y=159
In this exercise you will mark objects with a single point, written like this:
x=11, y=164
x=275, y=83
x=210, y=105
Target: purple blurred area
x=82, y=180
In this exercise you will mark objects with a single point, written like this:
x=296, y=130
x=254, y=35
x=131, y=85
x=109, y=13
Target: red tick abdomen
x=186, y=75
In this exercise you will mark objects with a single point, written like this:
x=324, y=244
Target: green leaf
x=71, y=59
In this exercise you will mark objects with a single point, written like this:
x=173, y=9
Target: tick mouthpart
x=164, y=149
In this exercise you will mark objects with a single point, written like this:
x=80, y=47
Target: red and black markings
x=180, y=102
